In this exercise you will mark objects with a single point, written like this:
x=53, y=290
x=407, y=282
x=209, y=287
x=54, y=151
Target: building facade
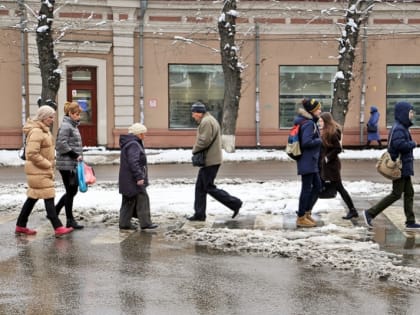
x=127, y=61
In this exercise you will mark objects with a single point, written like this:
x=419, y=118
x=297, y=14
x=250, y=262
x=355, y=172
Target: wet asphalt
x=101, y=270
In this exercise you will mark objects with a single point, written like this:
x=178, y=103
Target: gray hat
x=198, y=107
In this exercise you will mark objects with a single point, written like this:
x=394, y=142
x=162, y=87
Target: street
x=352, y=170
x=100, y=270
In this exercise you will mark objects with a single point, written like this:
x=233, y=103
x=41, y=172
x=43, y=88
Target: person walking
x=372, y=128
x=208, y=139
x=133, y=180
x=69, y=151
x=400, y=144
x=330, y=160
x=39, y=169
x=308, y=163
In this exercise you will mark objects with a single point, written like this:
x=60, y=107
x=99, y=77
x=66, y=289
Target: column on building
x=123, y=47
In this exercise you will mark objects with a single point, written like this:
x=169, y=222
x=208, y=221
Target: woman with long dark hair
x=330, y=161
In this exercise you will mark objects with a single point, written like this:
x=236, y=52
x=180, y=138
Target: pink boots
x=58, y=231
x=24, y=230
x=63, y=230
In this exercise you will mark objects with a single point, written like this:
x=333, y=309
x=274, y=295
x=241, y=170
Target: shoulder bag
x=386, y=166
x=199, y=158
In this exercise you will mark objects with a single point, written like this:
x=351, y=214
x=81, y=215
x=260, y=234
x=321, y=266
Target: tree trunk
x=48, y=63
x=357, y=11
x=232, y=73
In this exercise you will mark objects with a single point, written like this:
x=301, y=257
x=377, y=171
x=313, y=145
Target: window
x=298, y=82
x=189, y=84
x=402, y=84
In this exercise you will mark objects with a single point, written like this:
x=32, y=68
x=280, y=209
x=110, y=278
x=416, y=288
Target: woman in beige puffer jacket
x=39, y=169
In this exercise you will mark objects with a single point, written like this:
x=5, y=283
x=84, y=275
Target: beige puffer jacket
x=40, y=160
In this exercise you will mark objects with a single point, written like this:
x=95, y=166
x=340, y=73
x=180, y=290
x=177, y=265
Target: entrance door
x=81, y=88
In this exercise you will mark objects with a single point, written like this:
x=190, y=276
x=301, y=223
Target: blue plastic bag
x=81, y=177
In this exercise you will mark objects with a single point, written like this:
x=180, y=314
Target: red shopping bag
x=90, y=177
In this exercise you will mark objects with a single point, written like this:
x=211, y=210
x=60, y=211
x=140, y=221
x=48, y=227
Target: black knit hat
x=198, y=107
x=311, y=105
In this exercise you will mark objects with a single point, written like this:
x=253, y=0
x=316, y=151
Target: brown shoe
x=309, y=217
x=304, y=222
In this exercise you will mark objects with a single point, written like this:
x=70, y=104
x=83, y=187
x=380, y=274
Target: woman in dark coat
x=133, y=179
x=372, y=127
x=330, y=162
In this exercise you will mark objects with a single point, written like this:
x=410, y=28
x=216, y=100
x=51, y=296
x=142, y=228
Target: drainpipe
x=363, y=94
x=257, y=84
x=23, y=57
x=143, y=8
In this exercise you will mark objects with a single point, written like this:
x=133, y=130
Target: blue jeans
x=311, y=186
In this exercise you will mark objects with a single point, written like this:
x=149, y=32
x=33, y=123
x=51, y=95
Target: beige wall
x=10, y=89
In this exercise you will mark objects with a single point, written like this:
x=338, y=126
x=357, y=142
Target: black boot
x=351, y=214
x=72, y=223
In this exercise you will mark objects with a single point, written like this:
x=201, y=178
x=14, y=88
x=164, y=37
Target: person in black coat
x=400, y=144
x=308, y=163
x=330, y=161
x=133, y=180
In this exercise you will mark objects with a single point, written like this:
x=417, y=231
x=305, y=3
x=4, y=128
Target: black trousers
x=27, y=208
x=205, y=185
x=71, y=186
x=344, y=194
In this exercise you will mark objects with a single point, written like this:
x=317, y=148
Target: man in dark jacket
x=208, y=139
x=400, y=145
x=133, y=179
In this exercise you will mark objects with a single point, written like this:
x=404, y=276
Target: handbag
x=90, y=177
x=22, y=153
x=386, y=166
x=81, y=177
x=372, y=128
x=328, y=191
x=199, y=158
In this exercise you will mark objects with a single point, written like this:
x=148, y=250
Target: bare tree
x=48, y=63
x=232, y=69
x=357, y=12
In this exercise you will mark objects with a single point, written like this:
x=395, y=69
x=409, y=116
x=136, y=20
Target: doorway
x=82, y=88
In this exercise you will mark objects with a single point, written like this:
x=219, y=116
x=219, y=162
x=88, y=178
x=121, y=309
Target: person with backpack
x=330, y=161
x=400, y=144
x=308, y=162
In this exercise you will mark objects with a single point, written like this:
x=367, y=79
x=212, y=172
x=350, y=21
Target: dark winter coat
x=68, y=145
x=373, y=121
x=331, y=166
x=207, y=130
x=133, y=166
x=401, y=143
x=310, y=143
